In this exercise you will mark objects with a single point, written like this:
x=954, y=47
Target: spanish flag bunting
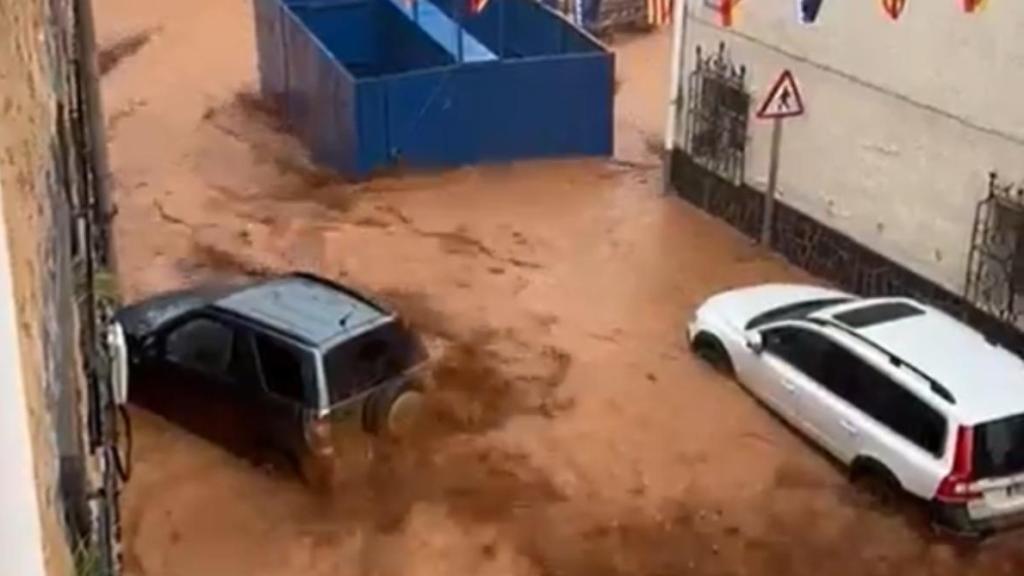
x=894, y=8
x=659, y=12
x=971, y=6
x=726, y=7
x=728, y=10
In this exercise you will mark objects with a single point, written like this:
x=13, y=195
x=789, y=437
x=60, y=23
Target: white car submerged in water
x=905, y=395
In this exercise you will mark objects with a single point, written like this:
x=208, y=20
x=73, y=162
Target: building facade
x=901, y=174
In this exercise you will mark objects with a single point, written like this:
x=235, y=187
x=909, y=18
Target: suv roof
x=305, y=307
x=987, y=381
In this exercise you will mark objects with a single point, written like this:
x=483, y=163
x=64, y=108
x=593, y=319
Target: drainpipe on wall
x=98, y=222
x=98, y=164
x=680, y=13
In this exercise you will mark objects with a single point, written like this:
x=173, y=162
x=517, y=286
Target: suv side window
x=900, y=410
x=802, y=349
x=243, y=363
x=869, y=389
x=202, y=344
x=282, y=368
x=820, y=359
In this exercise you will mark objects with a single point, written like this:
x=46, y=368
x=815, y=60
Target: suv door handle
x=789, y=386
x=849, y=427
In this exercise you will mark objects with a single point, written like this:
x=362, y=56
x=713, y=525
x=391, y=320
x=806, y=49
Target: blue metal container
x=368, y=84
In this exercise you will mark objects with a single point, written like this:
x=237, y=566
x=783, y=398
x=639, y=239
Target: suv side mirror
x=118, y=349
x=754, y=342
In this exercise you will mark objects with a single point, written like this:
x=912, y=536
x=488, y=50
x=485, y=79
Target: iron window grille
x=718, y=114
x=995, y=269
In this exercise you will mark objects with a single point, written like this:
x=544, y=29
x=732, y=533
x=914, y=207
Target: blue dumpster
x=368, y=84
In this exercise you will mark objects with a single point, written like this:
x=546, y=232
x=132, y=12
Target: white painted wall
x=904, y=119
x=20, y=527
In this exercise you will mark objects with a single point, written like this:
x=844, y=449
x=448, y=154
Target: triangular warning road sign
x=783, y=99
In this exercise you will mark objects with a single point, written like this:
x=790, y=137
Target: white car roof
x=986, y=380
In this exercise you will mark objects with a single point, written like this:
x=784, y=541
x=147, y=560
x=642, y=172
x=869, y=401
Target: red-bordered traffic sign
x=783, y=100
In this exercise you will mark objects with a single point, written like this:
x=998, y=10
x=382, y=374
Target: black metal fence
x=825, y=252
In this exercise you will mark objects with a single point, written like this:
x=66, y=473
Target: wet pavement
x=569, y=431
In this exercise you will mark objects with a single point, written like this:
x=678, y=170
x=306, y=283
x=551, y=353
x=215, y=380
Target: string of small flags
x=808, y=10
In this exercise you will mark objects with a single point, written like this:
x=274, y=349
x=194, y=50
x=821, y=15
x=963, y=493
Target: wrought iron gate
x=717, y=114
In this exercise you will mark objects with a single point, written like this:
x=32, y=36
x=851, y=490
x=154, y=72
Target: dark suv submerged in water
x=276, y=364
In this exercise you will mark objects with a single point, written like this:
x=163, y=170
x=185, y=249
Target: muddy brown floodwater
x=568, y=432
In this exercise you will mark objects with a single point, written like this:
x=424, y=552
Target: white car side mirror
x=118, y=348
x=754, y=342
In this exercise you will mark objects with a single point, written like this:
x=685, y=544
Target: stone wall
x=35, y=216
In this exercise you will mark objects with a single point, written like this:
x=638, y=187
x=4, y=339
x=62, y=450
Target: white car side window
x=800, y=348
x=853, y=379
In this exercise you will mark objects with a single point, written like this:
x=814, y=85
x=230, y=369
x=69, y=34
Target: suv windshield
x=360, y=363
x=793, y=311
x=999, y=448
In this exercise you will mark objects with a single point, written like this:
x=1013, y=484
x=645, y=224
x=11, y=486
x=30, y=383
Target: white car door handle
x=789, y=386
x=849, y=427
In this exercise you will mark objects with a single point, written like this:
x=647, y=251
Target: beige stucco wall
x=26, y=112
x=904, y=119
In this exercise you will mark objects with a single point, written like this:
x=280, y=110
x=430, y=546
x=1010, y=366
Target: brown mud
x=567, y=433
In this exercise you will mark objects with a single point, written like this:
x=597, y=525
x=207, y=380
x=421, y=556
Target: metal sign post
x=773, y=182
x=783, y=101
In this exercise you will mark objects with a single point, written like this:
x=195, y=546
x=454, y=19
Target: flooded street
x=569, y=433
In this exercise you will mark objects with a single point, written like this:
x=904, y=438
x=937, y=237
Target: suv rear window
x=999, y=448
x=874, y=314
x=361, y=363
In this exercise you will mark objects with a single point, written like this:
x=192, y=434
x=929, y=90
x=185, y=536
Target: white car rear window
x=999, y=448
